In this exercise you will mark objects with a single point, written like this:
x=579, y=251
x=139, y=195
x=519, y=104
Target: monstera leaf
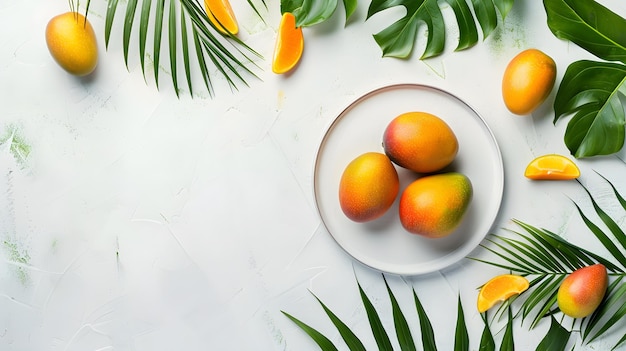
x=398, y=39
x=312, y=12
x=591, y=91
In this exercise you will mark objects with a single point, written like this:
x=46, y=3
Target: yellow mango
x=72, y=43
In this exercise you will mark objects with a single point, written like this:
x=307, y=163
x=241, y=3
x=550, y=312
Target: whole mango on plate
x=582, y=291
x=72, y=43
x=420, y=141
x=528, y=80
x=368, y=187
x=435, y=205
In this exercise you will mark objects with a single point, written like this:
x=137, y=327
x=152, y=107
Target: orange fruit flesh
x=499, y=289
x=552, y=167
x=221, y=14
x=289, y=45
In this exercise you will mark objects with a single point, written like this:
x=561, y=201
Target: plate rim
x=338, y=117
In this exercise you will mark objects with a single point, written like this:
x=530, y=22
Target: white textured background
x=143, y=221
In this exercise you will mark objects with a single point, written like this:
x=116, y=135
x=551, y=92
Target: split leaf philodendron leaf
x=312, y=12
x=591, y=91
x=398, y=39
x=309, y=12
x=589, y=25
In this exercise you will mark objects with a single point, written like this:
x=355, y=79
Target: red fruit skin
x=582, y=291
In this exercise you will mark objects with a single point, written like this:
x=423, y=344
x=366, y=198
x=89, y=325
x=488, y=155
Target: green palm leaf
x=323, y=342
x=556, y=338
x=547, y=258
x=461, y=337
x=508, y=339
x=403, y=333
x=353, y=342
x=426, y=328
x=380, y=335
x=487, y=343
x=619, y=343
x=208, y=43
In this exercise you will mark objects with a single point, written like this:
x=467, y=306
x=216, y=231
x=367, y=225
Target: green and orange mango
x=435, y=205
x=368, y=187
x=582, y=291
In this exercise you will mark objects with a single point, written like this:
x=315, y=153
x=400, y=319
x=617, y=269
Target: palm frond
x=556, y=339
x=229, y=55
x=547, y=258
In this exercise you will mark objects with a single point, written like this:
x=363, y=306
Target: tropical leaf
x=591, y=90
x=508, y=339
x=426, y=328
x=556, y=339
x=228, y=54
x=403, y=332
x=312, y=12
x=323, y=342
x=353, y=342
x=548, y=258
x=380, y=335
x=461, y=336
x=398, y=39
x=486, y=340
x=578, y=21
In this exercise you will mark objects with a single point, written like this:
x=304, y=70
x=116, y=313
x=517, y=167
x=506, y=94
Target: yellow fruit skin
x=582, y=291
x=420, y=141
x=72, y=43
x=368, y=187
x=528, y=80
x=435, y=205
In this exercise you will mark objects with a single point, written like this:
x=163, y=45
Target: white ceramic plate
x=383, y=244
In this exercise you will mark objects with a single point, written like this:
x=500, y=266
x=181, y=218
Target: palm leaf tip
x=209, y=47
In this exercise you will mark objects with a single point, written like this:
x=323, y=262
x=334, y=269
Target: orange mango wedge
x=499, y=289
x=289, y=45
x=552, y=167
x=221, y=14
